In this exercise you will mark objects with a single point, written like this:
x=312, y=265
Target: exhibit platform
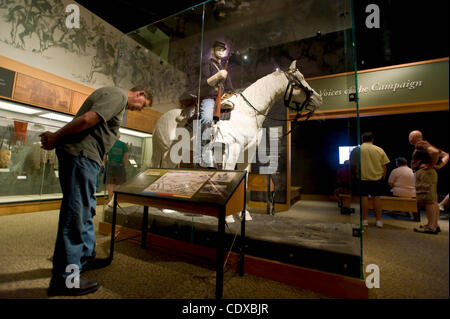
x=323, y=246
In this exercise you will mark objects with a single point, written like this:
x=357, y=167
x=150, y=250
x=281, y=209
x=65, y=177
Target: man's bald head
x=414, y=137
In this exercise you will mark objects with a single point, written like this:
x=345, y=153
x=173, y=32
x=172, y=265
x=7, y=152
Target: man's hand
x=48, y=140
x=223, y=74
x=76, y=126
x=218, y=77
x=426, y=166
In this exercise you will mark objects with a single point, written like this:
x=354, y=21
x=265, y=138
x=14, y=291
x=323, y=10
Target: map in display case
x=212, y=186
x=179, y=183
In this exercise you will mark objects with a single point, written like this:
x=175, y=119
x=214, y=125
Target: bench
x=260, y=183
x=398, y=204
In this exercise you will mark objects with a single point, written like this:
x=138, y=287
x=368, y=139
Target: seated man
x=401, y=180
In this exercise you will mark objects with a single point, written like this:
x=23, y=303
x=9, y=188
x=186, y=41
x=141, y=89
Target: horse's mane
x=263, y=92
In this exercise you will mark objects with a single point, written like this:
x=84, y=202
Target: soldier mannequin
x=212, y=77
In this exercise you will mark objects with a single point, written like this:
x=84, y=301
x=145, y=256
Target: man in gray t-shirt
x=80, y=147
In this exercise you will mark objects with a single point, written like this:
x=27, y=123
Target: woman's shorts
x=115, y=174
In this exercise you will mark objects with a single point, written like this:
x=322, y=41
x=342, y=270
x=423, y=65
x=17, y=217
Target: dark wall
x=315, y=157
x=409, y=31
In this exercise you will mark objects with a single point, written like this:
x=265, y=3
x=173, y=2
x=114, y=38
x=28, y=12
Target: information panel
x=6, y=82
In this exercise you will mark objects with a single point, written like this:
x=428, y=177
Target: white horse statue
x=242, y=132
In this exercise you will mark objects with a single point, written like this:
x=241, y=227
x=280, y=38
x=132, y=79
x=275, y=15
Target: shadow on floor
x=26, y=275
x=28, y=293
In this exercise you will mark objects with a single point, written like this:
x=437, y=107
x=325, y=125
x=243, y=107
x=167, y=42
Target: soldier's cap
x=219, y=44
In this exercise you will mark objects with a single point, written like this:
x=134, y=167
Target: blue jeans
x=206, y=112
x=206, y=116
x=75, y=241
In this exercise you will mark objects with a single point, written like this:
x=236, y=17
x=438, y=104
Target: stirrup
x=227, y=105
x=228, y=101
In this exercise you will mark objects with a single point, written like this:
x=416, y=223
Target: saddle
x=187, y=114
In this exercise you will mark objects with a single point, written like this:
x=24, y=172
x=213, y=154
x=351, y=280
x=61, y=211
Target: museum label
x=399, y=85
x=6, y=82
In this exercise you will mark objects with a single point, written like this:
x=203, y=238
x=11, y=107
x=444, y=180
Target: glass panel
x=263, y=37
x=30, y=173
x=123, y=161
x=298, y=158
x=166, y=56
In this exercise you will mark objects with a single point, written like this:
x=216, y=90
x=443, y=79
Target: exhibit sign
x=6, y=82
x=409, y=83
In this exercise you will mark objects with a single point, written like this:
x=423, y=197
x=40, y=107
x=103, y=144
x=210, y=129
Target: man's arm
x=79, y=124
x=433, y=152
x=444, y=160
x=216, y=78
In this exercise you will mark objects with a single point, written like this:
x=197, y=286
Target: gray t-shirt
x=110, y=104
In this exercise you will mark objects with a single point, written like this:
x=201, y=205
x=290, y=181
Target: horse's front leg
x=231, y=156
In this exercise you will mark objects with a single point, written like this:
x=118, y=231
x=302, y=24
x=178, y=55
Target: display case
x=29, y=173
x=298, y=147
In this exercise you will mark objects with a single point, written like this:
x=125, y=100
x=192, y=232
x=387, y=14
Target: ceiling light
x=134, y=133
x=57, y=117
x=8, y=106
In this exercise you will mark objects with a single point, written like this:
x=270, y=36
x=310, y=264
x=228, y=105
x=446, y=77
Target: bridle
x=293, y=83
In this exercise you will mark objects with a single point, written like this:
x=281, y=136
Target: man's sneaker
x=58, y=287
x=379, y=223
x=365, y=222
x=438, y=229
x=111, y=202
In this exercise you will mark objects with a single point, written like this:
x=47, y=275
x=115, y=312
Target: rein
x=293, y=83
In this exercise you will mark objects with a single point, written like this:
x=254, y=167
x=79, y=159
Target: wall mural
x=34, y=32
x=96, y=54
x=137, y=65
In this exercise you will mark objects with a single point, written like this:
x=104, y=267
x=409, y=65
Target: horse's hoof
x=247, y=215
x=229, y=219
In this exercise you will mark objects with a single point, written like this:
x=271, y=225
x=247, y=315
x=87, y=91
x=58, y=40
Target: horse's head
x=299, y=92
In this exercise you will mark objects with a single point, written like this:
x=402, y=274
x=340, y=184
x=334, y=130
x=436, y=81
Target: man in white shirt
x=371, y=176
x=401, y=180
